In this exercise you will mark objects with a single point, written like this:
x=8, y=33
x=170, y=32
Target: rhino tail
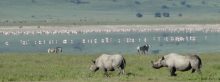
x=200, y=61
x=123, y=64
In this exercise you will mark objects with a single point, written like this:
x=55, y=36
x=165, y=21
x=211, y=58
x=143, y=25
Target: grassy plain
x=74, y=68
x=96, y=12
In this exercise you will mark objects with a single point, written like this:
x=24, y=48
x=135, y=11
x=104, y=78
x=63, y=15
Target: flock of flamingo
x=8, y=31
x=84, y=29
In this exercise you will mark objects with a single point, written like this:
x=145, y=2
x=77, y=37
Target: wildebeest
x=54, y=50
x=143, y=49
x=176, y=62
x=109, y=63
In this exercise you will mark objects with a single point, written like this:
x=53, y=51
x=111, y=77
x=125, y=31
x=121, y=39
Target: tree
x=203, y=2
x=183, y=2
x=33, y=1
x=114, y=0
x=165, y=14
x=157, y=14
x=137, y=2
x=164, y=7
x=188, y=6
x=180, y=14
x=139, y=15
x=79, y=2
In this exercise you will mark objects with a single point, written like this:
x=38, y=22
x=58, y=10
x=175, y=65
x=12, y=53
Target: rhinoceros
x=109, y=63
x=176, y=62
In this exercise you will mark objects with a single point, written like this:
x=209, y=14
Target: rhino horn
x=93, y=61
x=152, y=62
x=163, y=58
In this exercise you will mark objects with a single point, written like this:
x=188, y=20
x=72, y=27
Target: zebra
x=143, y=49
x=54, y=50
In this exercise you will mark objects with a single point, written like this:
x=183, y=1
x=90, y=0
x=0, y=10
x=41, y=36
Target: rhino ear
x=93, y=61
x=152, y=62
x=163, y=58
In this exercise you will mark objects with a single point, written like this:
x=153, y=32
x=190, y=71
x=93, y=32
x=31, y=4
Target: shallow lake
x=162, y=41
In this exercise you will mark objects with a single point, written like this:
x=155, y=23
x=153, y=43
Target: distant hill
x=59, y=12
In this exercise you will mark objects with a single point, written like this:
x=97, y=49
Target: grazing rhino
x=109, y=63
x=176, y=62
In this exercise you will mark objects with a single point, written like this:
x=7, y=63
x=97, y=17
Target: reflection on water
x=111, y=40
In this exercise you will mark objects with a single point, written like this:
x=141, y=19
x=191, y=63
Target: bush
x=137, y=2
x=183, y=2
x=180, y=14
x=164, y=7
x=188, y=6
x=33, y=1
x=203, y=2
x=157, y=14
x=139, y=15
x=114, y=0
x=166, y=14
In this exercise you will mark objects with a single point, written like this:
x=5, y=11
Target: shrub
x=137, y=2
x=164, y=7
x=183, y=2
x=139, y=15
x=188, y=6
x=114, y=0
x=33, y=1
x=203, y=2
x=157, y=14
x=165, y=14
x=180, y=14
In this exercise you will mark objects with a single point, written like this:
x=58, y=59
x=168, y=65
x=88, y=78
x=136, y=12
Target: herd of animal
x=140, y=49
x=173, y=61
x=54, y=50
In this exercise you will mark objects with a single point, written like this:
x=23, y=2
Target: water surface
x=162, y=40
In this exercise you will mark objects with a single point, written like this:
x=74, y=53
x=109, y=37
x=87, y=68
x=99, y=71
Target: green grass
x=66, y=67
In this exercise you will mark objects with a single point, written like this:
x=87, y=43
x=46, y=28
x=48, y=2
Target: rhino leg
x=122, y=67
x=172, y=71
x=106, y=73
x=121, y=71
x=139, y=53
x=193, y=70
x=199, y=71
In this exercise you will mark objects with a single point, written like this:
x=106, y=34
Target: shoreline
x=159, y=27
x=84, y=29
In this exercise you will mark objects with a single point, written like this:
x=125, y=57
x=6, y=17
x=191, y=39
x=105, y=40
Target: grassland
x=95, y=12
x=74, y=68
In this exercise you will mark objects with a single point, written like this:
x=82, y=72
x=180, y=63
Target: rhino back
x=195, y=60
x=117, y=60
x=178, y=61
x=108, y=61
